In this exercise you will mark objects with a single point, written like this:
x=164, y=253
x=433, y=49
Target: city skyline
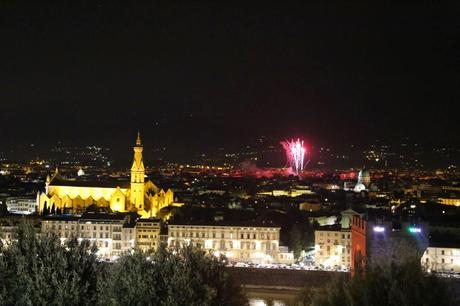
x=259, y=154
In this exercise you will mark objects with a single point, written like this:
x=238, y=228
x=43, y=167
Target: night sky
x=198, y=75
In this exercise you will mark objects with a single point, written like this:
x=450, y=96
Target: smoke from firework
x=295, y=154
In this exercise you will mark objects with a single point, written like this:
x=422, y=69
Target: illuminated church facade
x=74, y=196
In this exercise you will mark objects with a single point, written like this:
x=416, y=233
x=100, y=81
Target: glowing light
x=331, y=261
x=415, y=230
x=208, y=244
x=257, y=302
x=295, y=154
x=379, y=229
x=258, y=255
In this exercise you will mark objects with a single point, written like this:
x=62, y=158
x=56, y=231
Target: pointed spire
x=138, y=140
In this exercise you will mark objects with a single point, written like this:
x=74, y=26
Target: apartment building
x=241, y=243
x=333, y=247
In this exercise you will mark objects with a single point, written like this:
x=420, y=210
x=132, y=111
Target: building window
x=442, y=253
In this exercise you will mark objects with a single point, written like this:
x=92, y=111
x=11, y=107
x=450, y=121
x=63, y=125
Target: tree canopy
x=39, y=270
x=398, y=284
x=185, y=276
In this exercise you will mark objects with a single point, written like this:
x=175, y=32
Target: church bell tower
x=137, y=176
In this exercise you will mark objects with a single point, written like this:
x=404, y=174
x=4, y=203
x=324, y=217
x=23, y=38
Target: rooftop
x=445, y=244
x=103, y=216
x=332, y=228
x=223, y=223
x=61, y=218
x=90, y=183
x=153, y=220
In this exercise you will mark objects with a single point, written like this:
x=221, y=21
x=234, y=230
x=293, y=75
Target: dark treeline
x=39, y=270
x=392, y=284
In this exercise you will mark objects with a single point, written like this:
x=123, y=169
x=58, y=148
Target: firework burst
x=295, y=154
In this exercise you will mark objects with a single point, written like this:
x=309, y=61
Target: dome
x=80, y=172
x=360, y=187
x=364, y=173
x=364, y=177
